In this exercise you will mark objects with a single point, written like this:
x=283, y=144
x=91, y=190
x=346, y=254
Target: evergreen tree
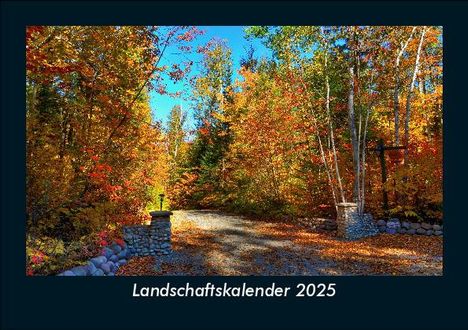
x=211, y=94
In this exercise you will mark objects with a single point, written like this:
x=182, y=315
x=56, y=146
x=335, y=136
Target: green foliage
x=154, y=199
x=211, y=94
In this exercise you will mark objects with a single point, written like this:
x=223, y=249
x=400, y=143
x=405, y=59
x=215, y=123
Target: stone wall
x=318, y=224
x=106, y=264
x=137, y=238
x=140, y=240
x=389, y=226
x=150, y=240
x=395, y=226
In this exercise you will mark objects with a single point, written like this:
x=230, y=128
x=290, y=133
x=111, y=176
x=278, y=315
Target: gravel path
x=216, y=243
x=238, y=248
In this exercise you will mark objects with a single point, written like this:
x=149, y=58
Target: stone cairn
x=155, y=239
x=351, y=225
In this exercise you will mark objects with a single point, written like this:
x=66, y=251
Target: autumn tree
x=293, y=135
x=177, y=149
x=93, y=152
x=211, y=93
x=296, y=48
x=359, y=80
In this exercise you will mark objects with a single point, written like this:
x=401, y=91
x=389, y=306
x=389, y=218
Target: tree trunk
x=363, y=151
x=321, y=149
x=396, y=92
x=410, y=93
x=352, y=129
x=330, y=127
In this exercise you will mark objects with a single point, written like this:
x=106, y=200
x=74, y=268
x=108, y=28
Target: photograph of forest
x=258, y=150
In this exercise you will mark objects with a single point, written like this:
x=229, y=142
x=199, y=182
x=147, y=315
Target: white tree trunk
x=352, y=130
x=330, y=126
x=410, y=92
x=363, y=151
x=321, y=149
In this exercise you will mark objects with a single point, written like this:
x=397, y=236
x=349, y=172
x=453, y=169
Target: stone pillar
x=352, y=226
x=160, y=233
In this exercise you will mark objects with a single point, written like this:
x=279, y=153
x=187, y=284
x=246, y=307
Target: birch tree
x=396, y=92
x=175, y=133
x=411, y=88
x=329, y=117
x=358, y=108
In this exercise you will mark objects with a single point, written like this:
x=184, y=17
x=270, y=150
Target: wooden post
x=381, y=150
x=383, y=166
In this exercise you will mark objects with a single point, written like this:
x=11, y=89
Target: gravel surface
x=240, y=249
x=215, y=243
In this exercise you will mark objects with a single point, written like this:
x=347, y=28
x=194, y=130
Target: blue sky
x=161, y=105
